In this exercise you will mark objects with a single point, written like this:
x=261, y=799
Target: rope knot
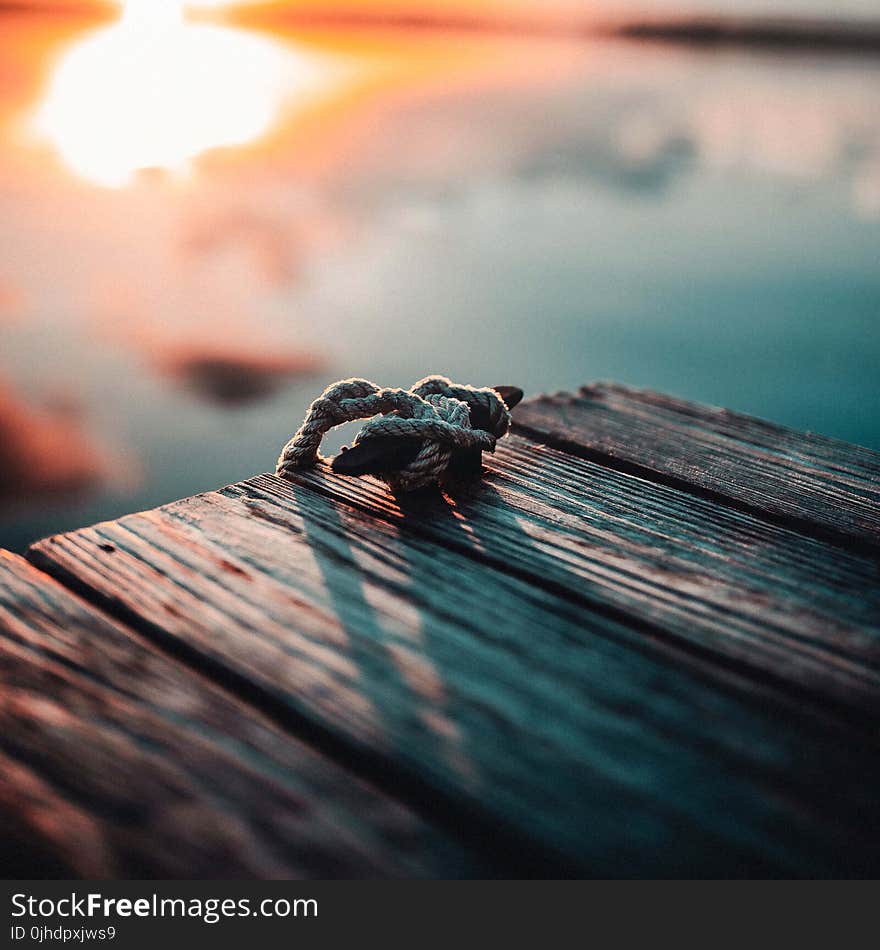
x=414, y=437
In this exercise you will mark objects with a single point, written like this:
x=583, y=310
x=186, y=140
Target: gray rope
x=435, y=411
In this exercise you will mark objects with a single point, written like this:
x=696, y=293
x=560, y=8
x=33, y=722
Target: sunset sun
x=155, y=91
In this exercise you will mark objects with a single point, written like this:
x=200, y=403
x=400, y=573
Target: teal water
x=706, y=224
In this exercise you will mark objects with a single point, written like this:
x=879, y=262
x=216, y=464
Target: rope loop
x=434, y=411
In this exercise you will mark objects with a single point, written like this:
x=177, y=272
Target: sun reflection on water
x=155, y=91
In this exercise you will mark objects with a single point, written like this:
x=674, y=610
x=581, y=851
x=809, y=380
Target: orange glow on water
x=155, y=91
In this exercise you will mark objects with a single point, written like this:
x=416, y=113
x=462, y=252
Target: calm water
x=186, y=261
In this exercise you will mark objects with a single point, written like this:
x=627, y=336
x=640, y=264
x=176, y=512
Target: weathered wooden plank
x=814, y=483
x=480, y=693
x=799, y=610
x=117, y=762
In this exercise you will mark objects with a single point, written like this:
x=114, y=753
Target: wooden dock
x=647, y=644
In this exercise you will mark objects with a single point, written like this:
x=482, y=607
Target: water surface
x=187, y=259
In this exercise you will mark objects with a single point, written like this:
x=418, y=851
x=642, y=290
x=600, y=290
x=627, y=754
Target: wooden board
x=812, y=483
x=117, y=761
x=794, y=609
x=462, y=654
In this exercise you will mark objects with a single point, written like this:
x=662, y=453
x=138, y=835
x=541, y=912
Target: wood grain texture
x=799, y=610
x=814, y=484
x=117, y=762
x=437, y=652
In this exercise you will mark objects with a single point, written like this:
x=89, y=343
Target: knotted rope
x=435, y=411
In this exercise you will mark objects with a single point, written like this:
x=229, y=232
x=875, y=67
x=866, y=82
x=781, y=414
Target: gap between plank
x=803, y=526
x=655, y=634
x=497, y=841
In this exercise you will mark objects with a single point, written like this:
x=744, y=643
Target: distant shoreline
x=769, y=33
